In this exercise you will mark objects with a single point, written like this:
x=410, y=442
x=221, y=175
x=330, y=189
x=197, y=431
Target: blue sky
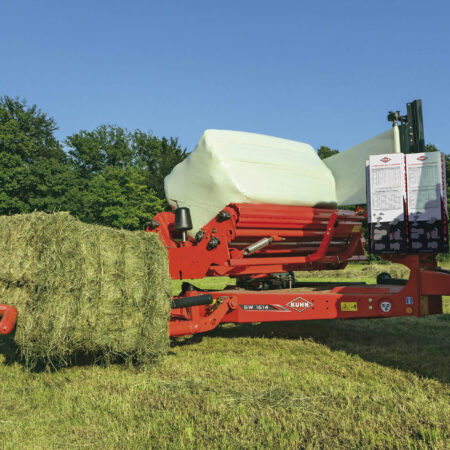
x=322, y=72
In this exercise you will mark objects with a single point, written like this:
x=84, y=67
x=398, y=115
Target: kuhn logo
x=422, y=158
x=385, y=159
x=299, y=304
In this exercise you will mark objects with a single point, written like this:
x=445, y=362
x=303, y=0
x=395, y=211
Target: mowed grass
x=316, y=384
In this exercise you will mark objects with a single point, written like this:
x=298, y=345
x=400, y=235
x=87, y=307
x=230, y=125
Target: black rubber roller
x=197, y=300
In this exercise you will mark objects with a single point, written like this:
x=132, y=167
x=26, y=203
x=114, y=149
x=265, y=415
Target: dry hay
x=83, y=289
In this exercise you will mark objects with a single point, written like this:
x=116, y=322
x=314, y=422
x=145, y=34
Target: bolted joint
x=213, y=243
x=199, y=236
x=222, y=216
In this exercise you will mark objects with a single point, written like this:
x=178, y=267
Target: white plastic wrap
x=238, y=167
x=349, y=166
x=426, y=185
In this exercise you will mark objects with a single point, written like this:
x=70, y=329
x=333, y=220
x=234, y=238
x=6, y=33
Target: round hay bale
x=84, y=289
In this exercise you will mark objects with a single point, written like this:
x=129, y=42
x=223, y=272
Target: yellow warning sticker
x=356, y=228
x=349, y=306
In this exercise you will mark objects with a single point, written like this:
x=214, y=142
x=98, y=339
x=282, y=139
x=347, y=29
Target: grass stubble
x=313, y=384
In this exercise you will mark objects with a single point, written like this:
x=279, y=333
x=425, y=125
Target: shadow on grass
x=420, y=346
x=12, y=355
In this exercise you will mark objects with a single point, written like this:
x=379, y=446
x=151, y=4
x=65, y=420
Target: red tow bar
x=9, y=316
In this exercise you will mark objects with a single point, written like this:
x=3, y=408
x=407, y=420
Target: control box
x=427, y=202
x=386, y=201
x=407, y=203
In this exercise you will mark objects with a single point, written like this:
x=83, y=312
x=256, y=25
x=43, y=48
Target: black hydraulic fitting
x=222, y=216
x=213, y=243
x=199, y=236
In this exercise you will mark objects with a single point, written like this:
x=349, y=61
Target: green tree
x=34, y=170
x=119, y=197
x=92, y=151
x=156, y=157
x=431, y=148
x=108, y=176
x=326, y=152
x=121, y=174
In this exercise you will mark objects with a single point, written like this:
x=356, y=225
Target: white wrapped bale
x=238, y=167
x=349, y=166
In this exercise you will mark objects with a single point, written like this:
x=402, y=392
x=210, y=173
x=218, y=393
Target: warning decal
x=349, y=306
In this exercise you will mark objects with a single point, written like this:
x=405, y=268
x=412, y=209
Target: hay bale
x=83, y=288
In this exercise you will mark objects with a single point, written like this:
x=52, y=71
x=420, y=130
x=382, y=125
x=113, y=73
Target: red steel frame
x=303, y=239
x=8, y=316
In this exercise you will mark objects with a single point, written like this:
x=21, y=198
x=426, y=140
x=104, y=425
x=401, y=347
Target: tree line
x=109, y=176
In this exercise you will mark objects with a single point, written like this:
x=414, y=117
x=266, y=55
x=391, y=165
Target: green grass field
x=316, y=384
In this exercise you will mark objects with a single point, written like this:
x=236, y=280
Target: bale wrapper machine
x=262, y=245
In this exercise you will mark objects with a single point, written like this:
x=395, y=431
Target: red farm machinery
x=262, y=246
